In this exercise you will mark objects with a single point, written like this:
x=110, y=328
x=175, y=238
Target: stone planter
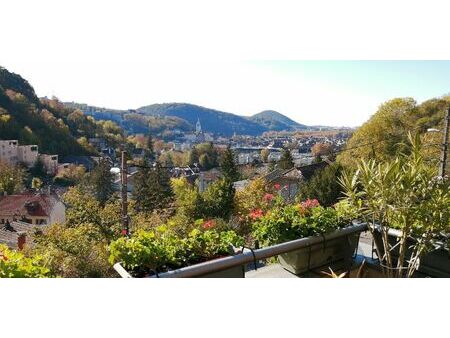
x=435, y=263
x=340, y=249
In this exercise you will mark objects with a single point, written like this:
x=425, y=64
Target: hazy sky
x=116, y=56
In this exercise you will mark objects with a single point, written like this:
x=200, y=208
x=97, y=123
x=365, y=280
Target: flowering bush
x=162, y=249
x=250, y=203
x=288, y=222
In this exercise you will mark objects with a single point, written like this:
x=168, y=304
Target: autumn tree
x=265, y=155
x=11, y=178
x=384, y=135
x=320, y=149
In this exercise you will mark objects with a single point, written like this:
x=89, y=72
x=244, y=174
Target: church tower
x=198, y=127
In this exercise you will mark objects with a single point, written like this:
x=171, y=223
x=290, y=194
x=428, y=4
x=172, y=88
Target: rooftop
x=30, y=204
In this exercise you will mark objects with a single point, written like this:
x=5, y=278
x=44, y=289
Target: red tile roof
x=27, y=204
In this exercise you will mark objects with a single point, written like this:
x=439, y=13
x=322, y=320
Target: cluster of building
x=13, y=153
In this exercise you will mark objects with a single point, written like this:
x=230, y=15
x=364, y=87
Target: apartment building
x=8, y=151
x=28, y=154
x=50, y=163
x=13, y=153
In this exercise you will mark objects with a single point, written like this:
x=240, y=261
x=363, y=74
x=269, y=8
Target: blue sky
x=420, y=79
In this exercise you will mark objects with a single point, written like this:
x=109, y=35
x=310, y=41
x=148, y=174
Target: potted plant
x=147, y=253
x=407, y=208
x=293, y=221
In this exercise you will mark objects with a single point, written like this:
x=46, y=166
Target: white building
x=28, y=155
x=50, y=163
x=8, y=151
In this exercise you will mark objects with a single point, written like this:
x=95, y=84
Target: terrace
x=324, y=259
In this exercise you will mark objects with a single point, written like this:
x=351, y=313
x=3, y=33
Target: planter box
x=339, y=249
x=233, y=272
x=435, y=263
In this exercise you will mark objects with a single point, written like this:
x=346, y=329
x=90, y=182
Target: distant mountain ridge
x=275, y=121
x=213, y=121
x=184, y=116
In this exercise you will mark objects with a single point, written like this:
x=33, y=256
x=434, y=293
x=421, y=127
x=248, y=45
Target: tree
x=142, y=189
x=152, y=189
x=229, y=169
x=11, y=178
x=384, y=135
x=286, y=160
x=36, y=183
x=321, y=149
x=38, y=169
x=101, y=181
x=323, y=186
x=163, y=188
x=218, y=200
x=71, y=175
x=149, y=151
x=265, y=155
x=272, y=166
x=193, y=157
x=204, y=161
x=74, y=252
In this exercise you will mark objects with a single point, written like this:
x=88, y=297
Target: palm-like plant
x=403, y=194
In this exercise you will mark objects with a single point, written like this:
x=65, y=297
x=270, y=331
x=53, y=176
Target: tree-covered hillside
x=212, y=120
x=275, y=121
x=55, y=128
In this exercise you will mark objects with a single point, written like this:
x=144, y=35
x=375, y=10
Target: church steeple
x=198, y=127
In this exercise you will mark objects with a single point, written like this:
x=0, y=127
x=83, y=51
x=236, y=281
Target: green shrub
x=14, y=264
x=293, y=221
x=162, y=249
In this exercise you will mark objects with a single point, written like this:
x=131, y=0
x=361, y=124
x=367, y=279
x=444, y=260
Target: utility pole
x=444, y=150
x=124, y=181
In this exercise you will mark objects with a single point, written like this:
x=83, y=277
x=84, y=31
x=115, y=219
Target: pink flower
x=268, y=197
x=277, y=186
x=308, y=204
x=208, y=224
x=257, y=213
x=124, y=232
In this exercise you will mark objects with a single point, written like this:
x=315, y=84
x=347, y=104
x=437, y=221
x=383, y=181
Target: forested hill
x=55, y=128
x=275, y=121
x=166, y=118
x=214, y=121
